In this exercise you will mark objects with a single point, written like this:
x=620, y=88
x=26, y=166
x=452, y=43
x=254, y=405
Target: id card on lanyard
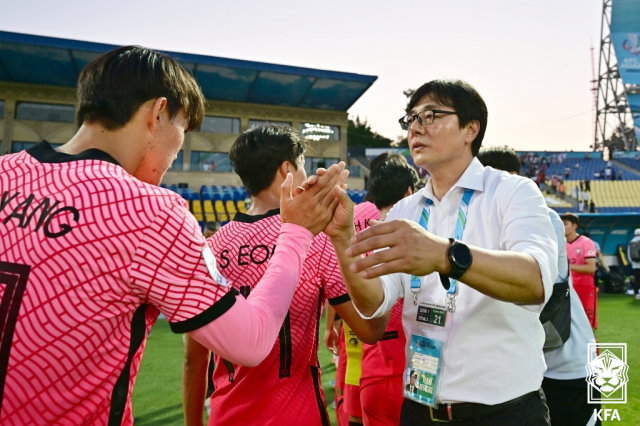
x=424, y=367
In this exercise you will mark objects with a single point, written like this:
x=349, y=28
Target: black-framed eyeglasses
x=425, y=117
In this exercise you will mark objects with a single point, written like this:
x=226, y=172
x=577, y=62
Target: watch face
x=461, y=255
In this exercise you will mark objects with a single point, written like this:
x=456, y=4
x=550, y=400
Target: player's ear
x=284, y=169
x=156, y=109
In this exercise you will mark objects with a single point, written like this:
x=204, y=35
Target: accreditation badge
x=424, y=366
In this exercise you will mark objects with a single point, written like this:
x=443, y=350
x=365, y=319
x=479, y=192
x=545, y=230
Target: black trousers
x=567, y=401
x=636, y=281
x=532, y=411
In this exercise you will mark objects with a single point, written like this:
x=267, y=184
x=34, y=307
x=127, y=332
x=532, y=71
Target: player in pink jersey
x=381, y=392
x=582, y=255
x=91, y=251
x=347, y=397
x=285, y=388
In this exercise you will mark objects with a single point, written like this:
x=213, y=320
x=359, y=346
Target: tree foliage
x=359, y=133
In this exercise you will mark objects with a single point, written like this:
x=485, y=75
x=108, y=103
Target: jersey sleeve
x=590, y=251
x=173, y=270
x=329, y=272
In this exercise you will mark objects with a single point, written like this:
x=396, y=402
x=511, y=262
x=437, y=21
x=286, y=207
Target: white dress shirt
x=569, y=361
x=494, y=352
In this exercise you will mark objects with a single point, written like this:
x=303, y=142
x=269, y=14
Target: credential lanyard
x=416, y=282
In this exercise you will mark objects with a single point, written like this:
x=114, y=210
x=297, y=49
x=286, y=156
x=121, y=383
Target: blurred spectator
x=554, y=183
x=577, y=166
x=211, y=228
x=585, y=197
x=581, y=185
x=561, y=188
x=607, y=172
x=587, y=185
x=619, y=174
x=635, y=264
x=580, y=206
x=567, y=172
x=592, y=207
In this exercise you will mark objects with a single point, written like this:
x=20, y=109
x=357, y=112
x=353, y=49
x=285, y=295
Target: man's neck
x=384, y=212
x=444, y=176
x=263, y=202
x=116, y=143
x=571, y=238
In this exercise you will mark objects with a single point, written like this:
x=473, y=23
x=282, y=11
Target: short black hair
x=389, y=181
x=460, y=96
x=501, y=159
x=570, y=217
x=112, y=87
x=212, y=225
x=384, y=157
x=257, y=153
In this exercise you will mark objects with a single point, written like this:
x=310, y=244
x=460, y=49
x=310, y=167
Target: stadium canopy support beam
x=614, y=123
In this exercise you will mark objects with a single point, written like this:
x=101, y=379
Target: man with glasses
x=475, y=344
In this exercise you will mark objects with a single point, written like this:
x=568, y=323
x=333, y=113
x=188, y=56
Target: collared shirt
x=494, y=352
x=569, y=360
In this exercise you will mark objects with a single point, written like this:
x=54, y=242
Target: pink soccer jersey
x=578, y=251
x=363, y=213
x=285, y=388
x=89, y=257
x=386, y=358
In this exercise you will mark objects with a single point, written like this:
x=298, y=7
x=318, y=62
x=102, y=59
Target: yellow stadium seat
x=208, y=206
x=222, y=217
x=196, y=206
x=198, y=216
x=219, y=207
x=209, y=217
x=232, y=215
x=242, y=208
x=231, y=207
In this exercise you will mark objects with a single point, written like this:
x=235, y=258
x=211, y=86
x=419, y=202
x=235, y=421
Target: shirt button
x=443, y=213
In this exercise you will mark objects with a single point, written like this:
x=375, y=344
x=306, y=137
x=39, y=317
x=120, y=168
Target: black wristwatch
x=460, y=257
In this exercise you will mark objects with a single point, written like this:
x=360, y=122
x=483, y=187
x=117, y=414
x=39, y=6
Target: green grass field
x=157, y=393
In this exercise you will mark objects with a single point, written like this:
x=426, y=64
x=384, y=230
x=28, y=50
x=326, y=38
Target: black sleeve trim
x=340, y=299
x=205, y=317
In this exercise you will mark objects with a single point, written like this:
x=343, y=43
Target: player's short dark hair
x=384, y=157
x=212, y=225
x=460, y=96
x=112, y=87
x=570, y=217
x=389, y=181
x=501, y=159
x=257, y=153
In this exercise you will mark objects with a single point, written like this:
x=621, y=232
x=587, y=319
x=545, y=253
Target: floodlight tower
x=614, y=123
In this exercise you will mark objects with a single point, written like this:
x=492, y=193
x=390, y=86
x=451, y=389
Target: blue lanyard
x=461, y=223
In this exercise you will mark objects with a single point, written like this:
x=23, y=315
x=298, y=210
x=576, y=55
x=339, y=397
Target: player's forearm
x=331, y=317
x=194, y=381
x=246, y=333
x=367, y=294
x=583, y=269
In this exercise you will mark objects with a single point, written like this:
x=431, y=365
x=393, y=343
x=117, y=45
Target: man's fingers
x=330, y=174
x=339, y=182
x=297, y=191
x=286, y=189
x=327, y=181
x=377, y=229
x=379, y=242
x=312, y=180
x=384, y=269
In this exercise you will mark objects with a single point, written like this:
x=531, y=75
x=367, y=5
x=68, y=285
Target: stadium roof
x=53, y=61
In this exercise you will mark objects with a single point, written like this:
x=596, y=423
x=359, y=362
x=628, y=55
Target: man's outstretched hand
x=404, y=247
x=312, y=206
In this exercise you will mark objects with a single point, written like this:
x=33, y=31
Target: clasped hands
x=404, y=246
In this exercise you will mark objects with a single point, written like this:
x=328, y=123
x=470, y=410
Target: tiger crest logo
x=608, y=374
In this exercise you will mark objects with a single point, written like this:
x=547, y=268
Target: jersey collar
x=245, y=218
x=472, y=178
x=44, y=153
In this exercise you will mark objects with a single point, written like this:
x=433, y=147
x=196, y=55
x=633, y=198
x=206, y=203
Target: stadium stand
x=630, y=162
